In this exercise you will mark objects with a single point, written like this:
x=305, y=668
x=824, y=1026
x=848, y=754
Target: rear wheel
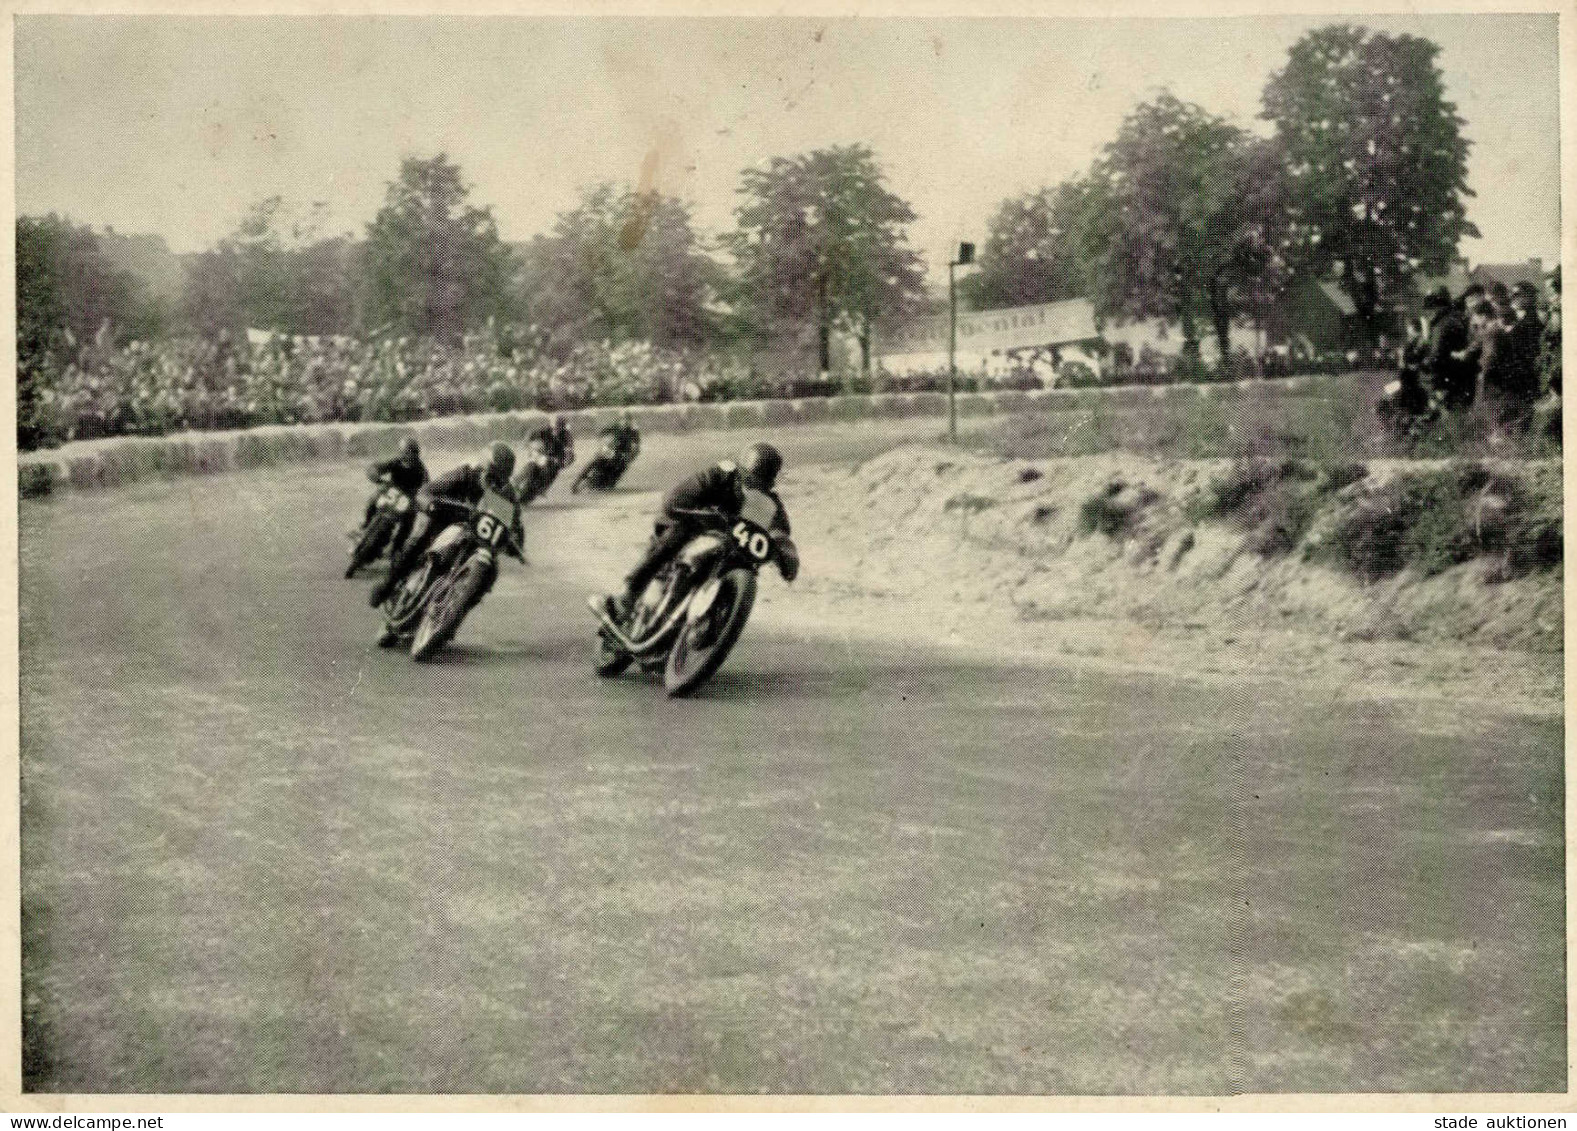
x=704, y=643
x=447, y=609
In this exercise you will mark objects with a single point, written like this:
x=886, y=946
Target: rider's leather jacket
x=408, y=475
x=559, y=444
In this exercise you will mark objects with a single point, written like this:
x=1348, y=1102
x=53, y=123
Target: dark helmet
x=560, y=425
x=500, y=464
x=410, y=449
x=759, y=465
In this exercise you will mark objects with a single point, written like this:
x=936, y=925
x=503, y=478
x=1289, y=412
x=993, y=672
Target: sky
x=176, y=125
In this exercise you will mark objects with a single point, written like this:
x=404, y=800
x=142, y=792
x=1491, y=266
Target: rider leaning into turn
x=445, y=501
x=404, y=470
x=707, y=499
x=626, y=438
x=557, y=440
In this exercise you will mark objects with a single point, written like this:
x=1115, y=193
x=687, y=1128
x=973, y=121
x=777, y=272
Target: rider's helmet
x=627, y=419
x=759, y=465
x=500, y=464
x=410, y=449
x=560, y=425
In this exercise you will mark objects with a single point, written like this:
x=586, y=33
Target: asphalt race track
x=260, y=855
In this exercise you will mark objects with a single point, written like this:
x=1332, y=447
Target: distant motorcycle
x=455, y=573
x=606, y=468
x=391, y=510
x=691, y=615
x=538, y=474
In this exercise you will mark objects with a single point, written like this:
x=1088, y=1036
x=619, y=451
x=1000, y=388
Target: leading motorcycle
x=689, y=618
x=455, y=573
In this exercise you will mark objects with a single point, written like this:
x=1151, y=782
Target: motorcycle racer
x=625, y=436
x=404, y=470
x=445, y=501
x=557, y=441
x=710, y=496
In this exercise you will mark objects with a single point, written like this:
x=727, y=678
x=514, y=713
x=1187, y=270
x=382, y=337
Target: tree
x=1173, y=223
x=819, y=239
x=66, y=283
x=1375, y=160
x=68, y=290
x=622, y=266
x=1031, y=253
x=274, y=272
x=434, y=264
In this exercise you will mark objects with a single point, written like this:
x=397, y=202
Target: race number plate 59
x=752, y=539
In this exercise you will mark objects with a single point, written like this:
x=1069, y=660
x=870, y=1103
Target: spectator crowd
x=1491, y=354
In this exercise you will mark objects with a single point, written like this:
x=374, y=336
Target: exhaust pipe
x=595, y=605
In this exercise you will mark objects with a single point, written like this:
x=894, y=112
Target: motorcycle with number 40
x=685, y=623
x=455, y=573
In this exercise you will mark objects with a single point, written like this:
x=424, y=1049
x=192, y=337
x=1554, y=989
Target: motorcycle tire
x=448, y=609
x=370, y=545
x=405, y=604
x=691, y=663
x=611, y=659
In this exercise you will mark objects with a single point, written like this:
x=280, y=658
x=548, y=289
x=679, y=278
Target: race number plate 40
x=752, y=539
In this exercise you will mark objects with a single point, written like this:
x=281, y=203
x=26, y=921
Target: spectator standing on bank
x=1449, y=369
x=1503, y=388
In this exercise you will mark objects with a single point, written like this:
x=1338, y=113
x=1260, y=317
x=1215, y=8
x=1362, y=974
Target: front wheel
x=704, y=643
x=448, y=609
x=370, y=545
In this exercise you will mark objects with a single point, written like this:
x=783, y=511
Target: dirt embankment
x=1418, y=578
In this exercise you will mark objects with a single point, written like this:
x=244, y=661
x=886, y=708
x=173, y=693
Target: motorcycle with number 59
x=690, y=617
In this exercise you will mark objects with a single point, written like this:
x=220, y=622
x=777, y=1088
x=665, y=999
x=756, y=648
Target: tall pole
x=952, y=352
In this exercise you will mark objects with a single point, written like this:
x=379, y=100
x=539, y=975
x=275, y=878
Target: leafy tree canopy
x=434, y=264
x=821, y=240
x=1031, y=254
x=1375, y=160
x=1173, y=224
x=622, y=265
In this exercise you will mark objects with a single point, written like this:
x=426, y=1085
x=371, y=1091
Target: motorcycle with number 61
x=691, y=615
x=455, y=573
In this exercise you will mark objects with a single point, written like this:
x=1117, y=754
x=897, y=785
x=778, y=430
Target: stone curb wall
x=100, y=464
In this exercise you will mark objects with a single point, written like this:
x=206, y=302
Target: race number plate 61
x=752, y=539
x=489, y=529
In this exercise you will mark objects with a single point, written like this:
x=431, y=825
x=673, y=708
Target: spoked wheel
x=448, y=608
x=704, y=643
x=405, y=605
